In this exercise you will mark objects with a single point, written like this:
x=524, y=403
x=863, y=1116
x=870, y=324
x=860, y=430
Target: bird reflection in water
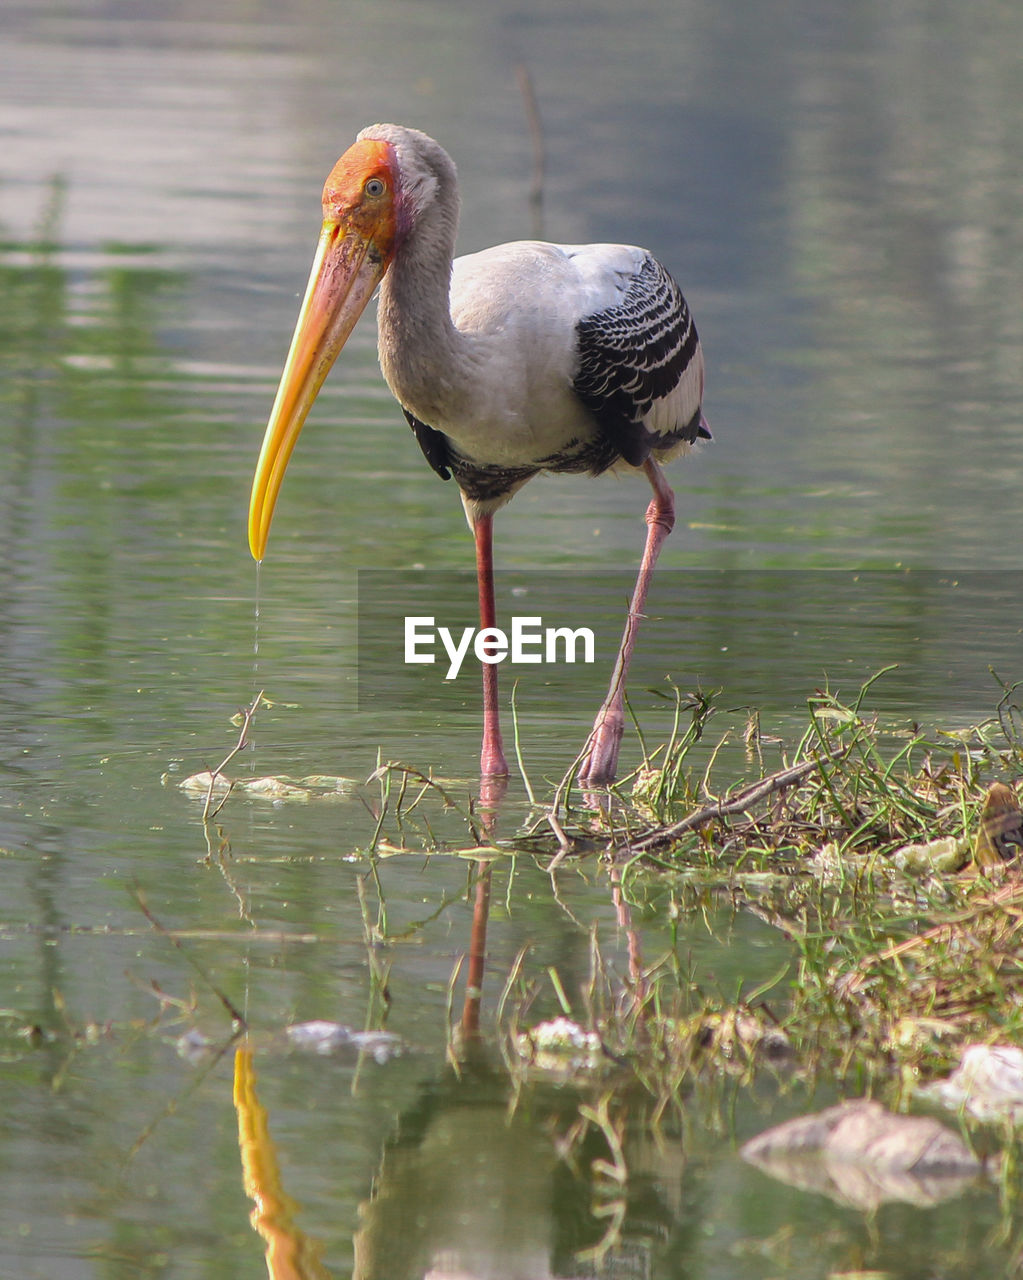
x=290, y=1254
x=465, y=1190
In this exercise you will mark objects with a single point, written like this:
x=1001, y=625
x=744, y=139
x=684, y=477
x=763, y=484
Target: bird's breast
x=498, y=382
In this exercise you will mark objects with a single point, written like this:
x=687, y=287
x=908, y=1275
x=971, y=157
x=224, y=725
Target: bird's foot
x=493, y=766
x=493, y=789
x=599, y=762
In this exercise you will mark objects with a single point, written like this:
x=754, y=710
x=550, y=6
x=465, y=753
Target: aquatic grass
x=964, y=972
x=664, y=788
x=855, y=847
x=395, y=780
x=849, y=786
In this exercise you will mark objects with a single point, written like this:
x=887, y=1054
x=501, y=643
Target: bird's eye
x=374, y=187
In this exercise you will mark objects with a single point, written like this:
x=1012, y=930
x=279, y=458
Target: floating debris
x=861, y=1155
x=317, y=786
x=329, y=1038
x=937, y=857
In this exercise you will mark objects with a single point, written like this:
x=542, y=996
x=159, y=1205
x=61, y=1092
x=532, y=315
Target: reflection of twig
x=551, y=815
x=224, y=1000
x=616, y=1171
x=240, y=745
x=379, y=992
x=600, y=1117
x=536, y=141
x=222, y=867
x=565, y=845
x=559, y=901
x=172, y=1105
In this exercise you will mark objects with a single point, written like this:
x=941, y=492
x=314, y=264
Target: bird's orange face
x=357, y=244
x=360, y=195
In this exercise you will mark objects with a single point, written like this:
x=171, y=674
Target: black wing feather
x=433, y=443
x=635, y=353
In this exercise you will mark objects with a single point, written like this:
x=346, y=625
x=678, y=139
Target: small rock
x=860, y=1154
x=988, y=1082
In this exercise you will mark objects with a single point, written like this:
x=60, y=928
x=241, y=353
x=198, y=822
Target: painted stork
x=524, y=358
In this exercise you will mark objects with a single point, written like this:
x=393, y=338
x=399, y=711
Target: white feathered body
x=531, y=356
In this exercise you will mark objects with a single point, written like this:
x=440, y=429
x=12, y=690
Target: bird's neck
x=421, y=351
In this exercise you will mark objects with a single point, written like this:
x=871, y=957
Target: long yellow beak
x=347, y=268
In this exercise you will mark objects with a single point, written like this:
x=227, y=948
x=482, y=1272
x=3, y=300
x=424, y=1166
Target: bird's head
x=362, y=196
x=383, y=187
x=363, y=222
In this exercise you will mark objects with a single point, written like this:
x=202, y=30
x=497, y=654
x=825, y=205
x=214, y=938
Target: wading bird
x=524, y=358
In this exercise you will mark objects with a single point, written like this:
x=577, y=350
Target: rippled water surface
x=837, y=187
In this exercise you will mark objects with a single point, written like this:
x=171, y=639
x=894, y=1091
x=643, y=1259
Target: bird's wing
x=433, y=443
x=640, y=366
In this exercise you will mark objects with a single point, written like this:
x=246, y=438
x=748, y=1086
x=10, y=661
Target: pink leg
x=600, y=760
x=492, y=762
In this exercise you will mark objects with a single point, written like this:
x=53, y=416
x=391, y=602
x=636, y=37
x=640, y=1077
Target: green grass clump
x=858, y=846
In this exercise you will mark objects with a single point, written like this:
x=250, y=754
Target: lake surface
x=837, y=188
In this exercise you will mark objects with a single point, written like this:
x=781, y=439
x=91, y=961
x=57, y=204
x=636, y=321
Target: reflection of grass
x=852, y=846
x=84, y=387
x=33, y=319
x=855, y=847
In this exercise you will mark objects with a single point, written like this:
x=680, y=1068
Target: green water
x=837, y=190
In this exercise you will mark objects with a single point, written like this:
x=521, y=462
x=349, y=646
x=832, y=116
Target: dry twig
x=738, y=802
x=243, y=741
